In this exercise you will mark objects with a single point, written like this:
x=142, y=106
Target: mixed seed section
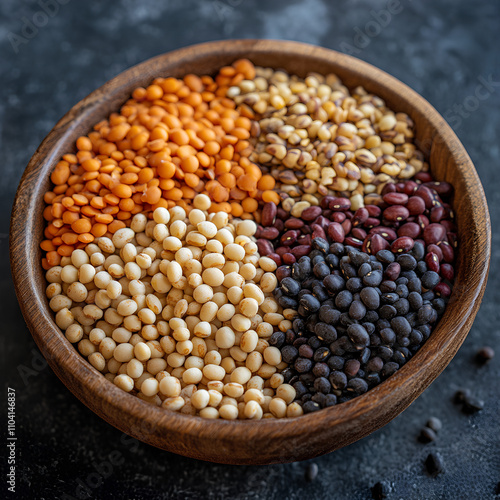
x=254, y=245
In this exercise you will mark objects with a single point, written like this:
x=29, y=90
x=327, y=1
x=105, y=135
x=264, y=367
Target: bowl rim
x=70, y=366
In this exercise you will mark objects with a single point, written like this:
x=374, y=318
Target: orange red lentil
x=169, y=142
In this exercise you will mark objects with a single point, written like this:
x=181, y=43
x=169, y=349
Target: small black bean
x=402, y=291
x=371, y=316
x=434, y=464
x=388, y=286
x=357, y=385
x=330, y=400
x=312, y=469
x=334, y=283
x=332, y=261
x=310, y=303
x=321, y=270
x=321, y=384
x=416, y=338
x=338, y=380
x=402, y=306
x=401, y=326
x=364, y=269
x=418, y=251
x=385, y=256
x=310, y=406
x=357, y=310
x=314, y=342
x=369, y=327
x=389, y=368
x=320, y=244
x=435, y=424
x=306, y=351
x=354, y=284
x=358, y=258
x=373, y=278
x=287, y=302
x=300, y=389
x=429, y=295
x=421, y=267
x=380, y=490
x=407, y=262
x=430, y=279
x=336, y=362
x=460, y=396
x=389, y=298
x=388, y=336
x=358, y=335
x=425, y=314
x=370, y=298
x=321, y=354
x=387, y=311
x=329, y=315
x=485, y=354
x=375, y=364
x=472, y=404
x=325, y=332
x=402, y=280
x=290, y=286
x=427, y=435
x=337, y=249
x=302, y=365
x=415, y=300
x=321, y=370
x=414, y=285
x=343, y=299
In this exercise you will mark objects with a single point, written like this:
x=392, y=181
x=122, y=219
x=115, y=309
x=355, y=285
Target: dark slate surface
x=443, y=49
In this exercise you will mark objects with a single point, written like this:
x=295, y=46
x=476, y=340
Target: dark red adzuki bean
x=269, y=212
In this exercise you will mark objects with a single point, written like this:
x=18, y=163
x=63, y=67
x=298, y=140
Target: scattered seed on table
x=427, y=435
x=435, y=424
x=380, y=490
x=472, y=404
x=311, y=472
x=434, y=464
x=484, y=355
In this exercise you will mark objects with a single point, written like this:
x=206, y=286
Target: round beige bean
x=170, y=387
x=192, y=376
x=228, y=412
x=214, y=372
x=241, y=375
x=174, y=404
x=200, y=399
x=124, y=382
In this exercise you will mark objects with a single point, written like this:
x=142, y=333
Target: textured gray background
x=440, y=48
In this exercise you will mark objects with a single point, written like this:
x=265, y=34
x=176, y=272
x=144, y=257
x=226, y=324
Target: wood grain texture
x=267, y=441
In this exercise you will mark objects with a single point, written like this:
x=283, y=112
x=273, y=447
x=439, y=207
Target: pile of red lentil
x=172, y=226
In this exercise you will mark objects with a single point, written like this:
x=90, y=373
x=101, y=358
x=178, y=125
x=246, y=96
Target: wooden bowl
x=266, y=441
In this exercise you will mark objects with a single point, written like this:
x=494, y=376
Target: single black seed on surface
x=311, y=469
x=434, y=464
x=310, y=406
x=484, y=355
x=435, y=424
x=381, y=489
x=472, y=404
x=427, y=435
x=430, y=279
x=460, y=396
